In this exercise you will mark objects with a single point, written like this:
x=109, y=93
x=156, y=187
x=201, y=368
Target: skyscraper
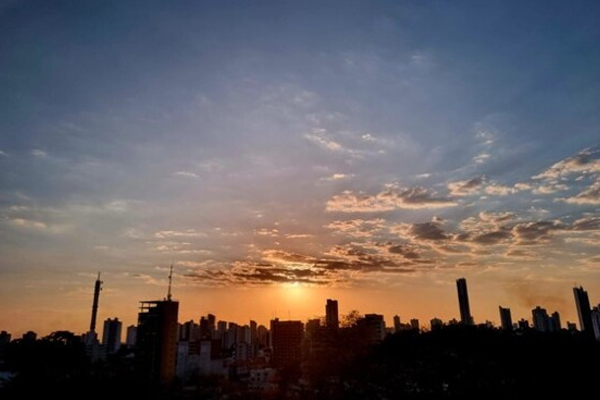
x=111, y=335
x=463, y=302
x=596, y=321
x=583, y=309
x=286, y=338
x=157, y=340
x=131, y=335
x=505, y=318
x=331, y=314
x=541, y=321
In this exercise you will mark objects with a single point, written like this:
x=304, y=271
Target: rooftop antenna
x=170, y=281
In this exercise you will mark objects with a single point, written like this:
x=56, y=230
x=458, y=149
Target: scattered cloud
x=586, y=161
x=318, y=136
x=357, y=227
x=188, y=233
x=337, y=177
x=39, y=153
x=589, y=196
x=186, y=174
x=466, y=188
x=391, y=198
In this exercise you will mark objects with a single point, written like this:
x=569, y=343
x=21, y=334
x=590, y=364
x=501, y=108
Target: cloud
x=367, y=137
x=267, y=232
x=500, y=190
x=466, y=188
x=3, y=154
x=186, y=174
x=39, y=153
x=586, y=161
x=298, y=236
x=391, y=198
x=317, y=136
x=535, y=233
x=550, y=187
x=337, y=177
x=589, y=196
x=481, y=158
x=357, y=227
x=189, y=233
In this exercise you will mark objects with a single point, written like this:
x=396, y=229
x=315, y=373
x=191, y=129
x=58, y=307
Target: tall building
x=207, y=327
x=131, y=335
x=436, y=323
x=111, y=335
x=583, y=309
x=157, y=340
x=414, y=324
x=286, y=338
x=331, y=314
x=4, y=338
x=463, y=302
x=541, y=321
x=188, y=331
x=596, y=321
x=397, y=324
x=554, y=324
x=374, y=327
x=505, y=318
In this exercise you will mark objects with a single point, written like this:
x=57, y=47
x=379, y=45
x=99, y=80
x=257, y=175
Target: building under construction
x=156, y=347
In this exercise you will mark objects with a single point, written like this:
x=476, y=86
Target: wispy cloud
x=392, y=198
x=186, y=174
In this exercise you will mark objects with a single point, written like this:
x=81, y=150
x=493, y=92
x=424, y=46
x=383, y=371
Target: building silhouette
x=331, y=314
x=286, y=341
x=414, y=324
x=596, y=321
x=436, y=323
x=111, y=335
x=397, y=324
x=505, y=318
x=583, y=310
x=554, y=322
x=4, y=338
x=156, y=347
x=131, y=335
x=463, y=302
x=373, y=326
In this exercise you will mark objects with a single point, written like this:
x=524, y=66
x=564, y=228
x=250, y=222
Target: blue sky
x=335, y=145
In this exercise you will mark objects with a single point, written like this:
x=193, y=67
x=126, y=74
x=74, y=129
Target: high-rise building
x=583, y=309
x=414, y=324
x=505, y=318
x=541, y=321
x=397, y=324
x=188, y=331
x=157, y=340
x=286, y=338
x=4, y=338
x=131, y=335
x=596, y=321
x=331, y=314
x=111, y=335
x=436, y=323
x=374, y=327
x=523, y=324
x=463, y=302
x=554, y=324
x=207, y=327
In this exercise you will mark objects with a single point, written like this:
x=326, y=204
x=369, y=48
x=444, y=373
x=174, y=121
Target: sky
x=280, y=153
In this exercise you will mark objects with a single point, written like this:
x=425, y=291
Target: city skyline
x=284, y=153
